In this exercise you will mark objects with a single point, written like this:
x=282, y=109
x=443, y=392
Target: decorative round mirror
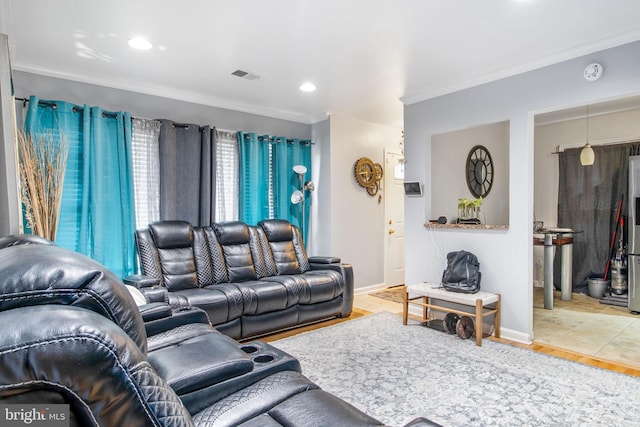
x=479, y=171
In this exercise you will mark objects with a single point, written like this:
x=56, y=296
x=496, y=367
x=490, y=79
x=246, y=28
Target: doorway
x=583, y=325
x=394, y=218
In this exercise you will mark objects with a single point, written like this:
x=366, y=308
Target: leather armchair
x=74, y=335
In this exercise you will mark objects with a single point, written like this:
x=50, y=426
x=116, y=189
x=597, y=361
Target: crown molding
x=628, y=37
x=170, y=93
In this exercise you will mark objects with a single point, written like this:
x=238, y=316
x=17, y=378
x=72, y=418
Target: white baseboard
x=370, y=289
x=511, y=335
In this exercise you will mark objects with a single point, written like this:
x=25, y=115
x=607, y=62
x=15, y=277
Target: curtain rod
x=562, y=149
x=53, y=105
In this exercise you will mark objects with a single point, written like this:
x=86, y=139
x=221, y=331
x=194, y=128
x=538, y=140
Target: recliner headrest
x=48, y=274
x=277, y=230
x=232, y=232
x=172, y=234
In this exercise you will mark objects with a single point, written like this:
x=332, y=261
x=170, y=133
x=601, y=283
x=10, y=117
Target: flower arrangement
x=469, y=208
x=42, y=164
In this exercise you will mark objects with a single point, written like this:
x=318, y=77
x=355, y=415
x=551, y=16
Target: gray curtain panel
x=588, y=198
x=186, y=173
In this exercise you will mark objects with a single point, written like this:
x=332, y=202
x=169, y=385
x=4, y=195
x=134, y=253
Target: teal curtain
x=267, y=179
x=255, y=183
x=97, y=216
x=297, y=152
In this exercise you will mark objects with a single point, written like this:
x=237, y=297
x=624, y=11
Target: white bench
x=485, y=303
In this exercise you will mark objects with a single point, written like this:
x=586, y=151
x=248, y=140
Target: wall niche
x=449, y=153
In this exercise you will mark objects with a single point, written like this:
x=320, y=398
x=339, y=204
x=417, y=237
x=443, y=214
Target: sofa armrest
x=154, y=311
x=141, y=281
x=175, y=319
x=324, y=260
x=346, y=270
x=201, y=362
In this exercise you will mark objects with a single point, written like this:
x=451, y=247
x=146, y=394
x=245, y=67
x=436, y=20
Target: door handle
x=391, y=231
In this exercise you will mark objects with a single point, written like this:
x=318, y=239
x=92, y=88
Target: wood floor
x=368, y=304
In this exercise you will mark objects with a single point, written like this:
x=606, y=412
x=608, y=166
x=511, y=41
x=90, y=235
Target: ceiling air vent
x=245, y=75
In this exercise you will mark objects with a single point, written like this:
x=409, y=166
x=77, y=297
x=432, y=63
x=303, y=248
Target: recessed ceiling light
x=140, y=43
x=307, y=87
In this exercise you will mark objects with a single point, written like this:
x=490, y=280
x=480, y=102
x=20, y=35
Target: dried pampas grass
x=43, y=161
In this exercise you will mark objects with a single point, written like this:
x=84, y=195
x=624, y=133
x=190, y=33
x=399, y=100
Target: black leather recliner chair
x=73, y=335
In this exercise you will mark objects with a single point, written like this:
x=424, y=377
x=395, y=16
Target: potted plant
x=469, y=208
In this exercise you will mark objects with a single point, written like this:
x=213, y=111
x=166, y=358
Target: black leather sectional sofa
x=72, y=335
x=251, y=280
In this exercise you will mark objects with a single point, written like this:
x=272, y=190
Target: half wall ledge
x=467, y=226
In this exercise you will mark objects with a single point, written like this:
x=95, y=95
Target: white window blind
x=227, y=179
x=146, y=166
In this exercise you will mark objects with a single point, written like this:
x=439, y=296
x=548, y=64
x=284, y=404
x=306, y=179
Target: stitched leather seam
x=43, y=294
x=253, y=396
x=203, y=369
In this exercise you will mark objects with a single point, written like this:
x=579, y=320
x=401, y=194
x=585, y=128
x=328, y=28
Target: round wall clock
x=479, y=171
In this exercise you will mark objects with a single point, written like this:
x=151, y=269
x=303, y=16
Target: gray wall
x=506, y=257
x=152, y=107
x=449, y=152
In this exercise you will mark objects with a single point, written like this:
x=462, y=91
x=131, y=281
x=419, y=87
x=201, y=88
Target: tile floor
x=588, y=327
x=582, y=325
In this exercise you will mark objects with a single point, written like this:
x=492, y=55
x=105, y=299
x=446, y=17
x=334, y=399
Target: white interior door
x=394, y=217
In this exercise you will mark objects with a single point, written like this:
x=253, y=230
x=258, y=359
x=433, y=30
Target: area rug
x=395, y=294
x=396, y=373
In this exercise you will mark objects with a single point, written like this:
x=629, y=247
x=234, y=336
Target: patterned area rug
x=396, y=373
x=395, y=294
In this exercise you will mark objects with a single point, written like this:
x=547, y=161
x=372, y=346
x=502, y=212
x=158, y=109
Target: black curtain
x=588, y=199
x=186, y=173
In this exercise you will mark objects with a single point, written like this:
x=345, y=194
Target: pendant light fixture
x=587, y=156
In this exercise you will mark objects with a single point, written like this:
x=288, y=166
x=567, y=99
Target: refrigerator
x=633, y=242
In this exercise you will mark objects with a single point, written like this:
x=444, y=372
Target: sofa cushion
x=174, y=242
x=234, y=237
x=261, y=296
x=286, y=248
x=223, y=302
x=178, y=268
x=311, y=287
x=171, y=234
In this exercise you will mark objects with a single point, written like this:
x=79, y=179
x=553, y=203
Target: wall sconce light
x=587, y=156
x=297, y=197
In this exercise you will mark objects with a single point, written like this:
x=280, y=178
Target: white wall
x=449, y=154
x=506, y=257
x=356, y=220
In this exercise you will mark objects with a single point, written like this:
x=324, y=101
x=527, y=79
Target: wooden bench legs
x=479, y=314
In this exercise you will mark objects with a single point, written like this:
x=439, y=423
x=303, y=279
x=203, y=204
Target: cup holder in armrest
x=249, y=349
x=264, y=358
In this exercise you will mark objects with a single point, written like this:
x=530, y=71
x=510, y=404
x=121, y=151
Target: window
x=146, y=167
x=226, y=170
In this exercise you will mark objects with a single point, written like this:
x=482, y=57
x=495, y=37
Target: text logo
x=34, y=415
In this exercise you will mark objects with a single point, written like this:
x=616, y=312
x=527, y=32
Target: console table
x=485, y=303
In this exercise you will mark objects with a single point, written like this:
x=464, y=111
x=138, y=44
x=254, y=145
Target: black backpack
x=462, y=273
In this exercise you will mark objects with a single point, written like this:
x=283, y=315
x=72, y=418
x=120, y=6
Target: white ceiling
x=366, y=57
